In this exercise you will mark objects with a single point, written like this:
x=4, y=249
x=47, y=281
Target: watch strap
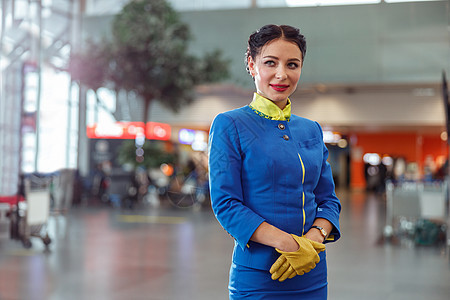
x=321, y=230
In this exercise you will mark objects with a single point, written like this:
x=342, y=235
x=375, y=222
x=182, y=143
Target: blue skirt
x=249, y=283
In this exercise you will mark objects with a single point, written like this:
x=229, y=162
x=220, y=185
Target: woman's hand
x=269, y=235
x=314, y=235
x=297, y=262
x=288, y=244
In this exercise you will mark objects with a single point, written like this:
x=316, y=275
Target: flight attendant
x=271, y=185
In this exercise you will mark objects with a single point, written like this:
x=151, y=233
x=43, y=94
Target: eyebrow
x=290, y=59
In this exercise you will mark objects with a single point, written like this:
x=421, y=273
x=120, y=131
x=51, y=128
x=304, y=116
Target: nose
x=281, y=73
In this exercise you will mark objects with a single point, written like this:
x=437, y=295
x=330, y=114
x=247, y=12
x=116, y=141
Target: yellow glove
x=299, y=262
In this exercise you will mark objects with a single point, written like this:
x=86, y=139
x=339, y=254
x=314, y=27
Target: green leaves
x=155, y=154
x=151, y=26
x=148, y=54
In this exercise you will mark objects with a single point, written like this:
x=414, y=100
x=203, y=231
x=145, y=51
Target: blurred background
x=104, y=118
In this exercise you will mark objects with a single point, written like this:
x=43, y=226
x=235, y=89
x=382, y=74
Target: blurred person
x=100, y=182
x=131, y=197
x=198, y=179
x=429, y=169
x=383, y=176
x=66, y=189
x=144, y=181
x=442, y=171
x=271, y=185
x=399, y=169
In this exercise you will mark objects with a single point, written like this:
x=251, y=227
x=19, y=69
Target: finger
x=319, y=247
x=287, y=274
x=278, y=273
x=316, y=259
x=277, y=264
x=292, y=275
x=309, y=268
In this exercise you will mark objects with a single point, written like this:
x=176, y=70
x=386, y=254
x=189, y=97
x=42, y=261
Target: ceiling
x=104, y=7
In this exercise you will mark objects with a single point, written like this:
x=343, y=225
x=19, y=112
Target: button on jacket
x=268, y=170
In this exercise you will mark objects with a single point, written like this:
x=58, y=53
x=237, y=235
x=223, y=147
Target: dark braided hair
x=271, y=32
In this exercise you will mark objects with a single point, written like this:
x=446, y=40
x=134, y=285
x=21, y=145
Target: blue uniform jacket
x=267, y=170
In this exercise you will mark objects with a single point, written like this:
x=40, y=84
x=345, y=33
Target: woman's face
x=276, y=70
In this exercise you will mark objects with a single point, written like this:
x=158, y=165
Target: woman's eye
x=293, y=65
x=269, y=63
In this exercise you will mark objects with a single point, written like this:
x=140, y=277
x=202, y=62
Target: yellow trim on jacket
x=303, y=194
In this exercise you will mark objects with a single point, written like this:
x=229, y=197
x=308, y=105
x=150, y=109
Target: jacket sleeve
x=225, y=163
x=328, y=204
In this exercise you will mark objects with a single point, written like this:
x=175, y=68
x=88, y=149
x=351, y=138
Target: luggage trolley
x=410, y=203
x=35, y=210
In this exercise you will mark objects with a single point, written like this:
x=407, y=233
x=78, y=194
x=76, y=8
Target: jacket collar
x=266, y=108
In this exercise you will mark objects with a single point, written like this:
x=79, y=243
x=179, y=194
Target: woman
x=271, y=186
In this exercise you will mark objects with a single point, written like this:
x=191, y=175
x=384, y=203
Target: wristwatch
x=322, y=231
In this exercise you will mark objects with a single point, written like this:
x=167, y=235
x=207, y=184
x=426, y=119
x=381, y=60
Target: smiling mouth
x=279, y=87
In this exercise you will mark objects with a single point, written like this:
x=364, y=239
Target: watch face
x=322, y=231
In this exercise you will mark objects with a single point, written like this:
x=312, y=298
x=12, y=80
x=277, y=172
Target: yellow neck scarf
x=269, y=110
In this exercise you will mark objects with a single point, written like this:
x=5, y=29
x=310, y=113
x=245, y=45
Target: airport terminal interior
x=104, y=191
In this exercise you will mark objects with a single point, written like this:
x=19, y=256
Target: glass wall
x=39, y=104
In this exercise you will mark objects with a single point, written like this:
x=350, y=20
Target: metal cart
x=410, y=204
x=36, y=217
x=29, y=218
x=37, y=209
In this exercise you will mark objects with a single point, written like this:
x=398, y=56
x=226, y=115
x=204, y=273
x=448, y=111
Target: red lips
x=279, y=87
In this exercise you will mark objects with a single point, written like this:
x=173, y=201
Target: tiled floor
x=171, y=253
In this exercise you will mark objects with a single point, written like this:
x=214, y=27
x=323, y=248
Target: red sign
x=118, y=130
x=158, y=131
x=129, y=130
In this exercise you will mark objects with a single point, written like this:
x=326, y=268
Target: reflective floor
x=182, y=253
